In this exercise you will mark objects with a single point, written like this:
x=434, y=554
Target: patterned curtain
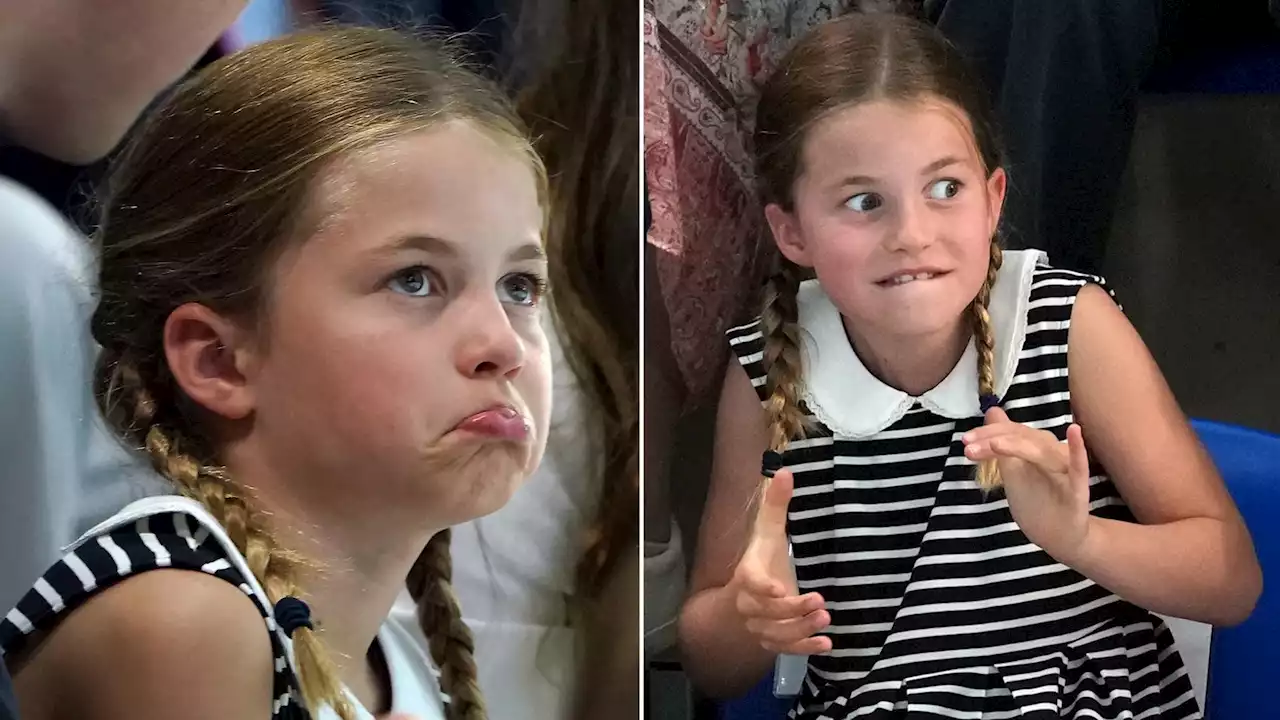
x=704, y=62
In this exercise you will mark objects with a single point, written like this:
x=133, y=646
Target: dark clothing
x=8, y=704
x=1064, y=78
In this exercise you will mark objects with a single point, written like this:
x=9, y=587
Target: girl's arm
x=1191, y=556
x=609, y=678
x=166, y=644
x=721, y=657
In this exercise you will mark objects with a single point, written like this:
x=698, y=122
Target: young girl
x=1022, y=587
x=321, y=275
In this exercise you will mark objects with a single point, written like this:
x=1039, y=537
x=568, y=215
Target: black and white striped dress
x=940, y=606
x=153, y=533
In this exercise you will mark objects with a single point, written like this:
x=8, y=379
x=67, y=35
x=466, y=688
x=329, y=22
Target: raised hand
x=1046, y=481
x=764, y=585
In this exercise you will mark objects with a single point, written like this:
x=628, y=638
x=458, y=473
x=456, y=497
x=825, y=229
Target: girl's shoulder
x=144, y=598
x=166, y=643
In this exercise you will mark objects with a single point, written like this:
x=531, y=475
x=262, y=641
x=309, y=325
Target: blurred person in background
x=70, y=93
x=584, y=108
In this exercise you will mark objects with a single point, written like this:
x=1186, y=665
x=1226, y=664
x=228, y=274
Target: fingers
x=785, y=635
x=1047, y=456
x=999, y=428
x=809, y=646
x=781, y=620
x=778, y=608
x=786, y=624
x=1004, y=438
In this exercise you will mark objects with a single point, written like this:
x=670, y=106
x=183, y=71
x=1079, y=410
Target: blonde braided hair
x=988, y=474
x=780, y=328
x=452, y=645
x=128, y=401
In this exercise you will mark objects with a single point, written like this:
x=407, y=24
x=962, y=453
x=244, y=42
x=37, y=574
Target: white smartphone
x=788, y=674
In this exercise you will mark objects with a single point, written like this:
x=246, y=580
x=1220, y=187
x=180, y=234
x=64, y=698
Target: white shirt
x=61, y=470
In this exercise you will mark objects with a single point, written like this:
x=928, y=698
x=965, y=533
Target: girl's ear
x=208, y=357
x=787, y=234
x=997, y=186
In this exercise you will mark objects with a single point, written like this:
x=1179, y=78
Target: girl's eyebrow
x=426, y=243
x=940, y=163
x=929, y=169
x=440, y=246
x=528, y=251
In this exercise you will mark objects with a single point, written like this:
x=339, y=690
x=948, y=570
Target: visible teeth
x=904, y=279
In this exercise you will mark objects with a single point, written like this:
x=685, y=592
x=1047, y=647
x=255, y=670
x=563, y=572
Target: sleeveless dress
x=177, y=532
x=940, y=606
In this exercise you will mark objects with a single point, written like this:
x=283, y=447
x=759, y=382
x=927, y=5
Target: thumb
x=996, y=415
x=771, y=517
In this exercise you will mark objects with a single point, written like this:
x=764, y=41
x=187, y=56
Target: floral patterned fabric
x=704, y=64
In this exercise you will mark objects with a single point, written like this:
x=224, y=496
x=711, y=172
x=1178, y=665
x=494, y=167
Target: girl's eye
x=416, y=281
x=944, y=189
x=522, y=289
x=864, y=202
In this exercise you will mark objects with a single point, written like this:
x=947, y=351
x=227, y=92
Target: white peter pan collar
x=851, y=402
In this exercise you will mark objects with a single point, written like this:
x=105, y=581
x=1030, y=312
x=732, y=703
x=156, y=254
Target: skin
x=69, y=91
x=383, y=342
x=132, y=641
x=917, y=197
x=1190, y=555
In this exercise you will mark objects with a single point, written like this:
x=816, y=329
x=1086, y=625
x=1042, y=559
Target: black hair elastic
x=291, y=614
x=770, y=463
x=986, y=402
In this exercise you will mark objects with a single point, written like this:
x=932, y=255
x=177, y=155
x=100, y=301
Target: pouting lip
x=912, y=271
x=506, y=408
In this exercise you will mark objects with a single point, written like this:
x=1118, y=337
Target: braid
x=276, y=568
x=780, y=327
x=779, y=324
x=984, y=339
x=452, y=646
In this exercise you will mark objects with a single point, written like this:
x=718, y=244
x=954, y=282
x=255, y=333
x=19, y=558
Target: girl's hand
x=764, y=586
x=1046, y=481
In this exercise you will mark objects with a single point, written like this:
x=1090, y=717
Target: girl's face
x=895, y=213
x=404, y=365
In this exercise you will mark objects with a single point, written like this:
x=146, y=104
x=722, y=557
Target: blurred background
x=487, y=27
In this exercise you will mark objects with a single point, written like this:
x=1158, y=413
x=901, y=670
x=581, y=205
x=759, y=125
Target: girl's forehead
x=889, y=131
x=451, y=181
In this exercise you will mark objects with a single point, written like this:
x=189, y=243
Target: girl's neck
x=913, y=364
x=361, y=567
